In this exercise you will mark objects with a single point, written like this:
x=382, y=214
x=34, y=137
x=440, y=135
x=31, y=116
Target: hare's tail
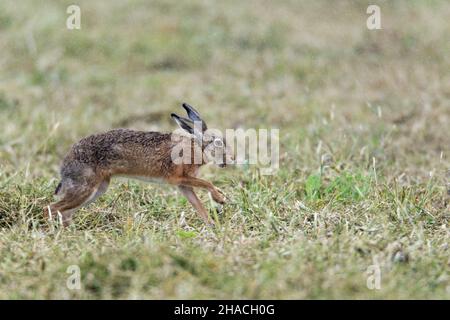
x=58, y=188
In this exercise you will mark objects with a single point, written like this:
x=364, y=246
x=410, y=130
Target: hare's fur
x=87, y=169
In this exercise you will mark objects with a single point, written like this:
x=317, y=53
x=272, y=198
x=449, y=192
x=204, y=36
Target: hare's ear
x=183, y=123
x=194, y=116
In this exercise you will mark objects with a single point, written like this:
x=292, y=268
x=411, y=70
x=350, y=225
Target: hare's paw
x=210, y=223
x=47, y=213
x=218, y=196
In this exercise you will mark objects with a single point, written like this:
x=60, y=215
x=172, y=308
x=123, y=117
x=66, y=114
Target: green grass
x=364, y=148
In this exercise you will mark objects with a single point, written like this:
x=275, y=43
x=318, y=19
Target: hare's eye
x=218, y=143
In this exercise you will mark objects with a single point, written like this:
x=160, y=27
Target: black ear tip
x=192, y=113
x=173, y=115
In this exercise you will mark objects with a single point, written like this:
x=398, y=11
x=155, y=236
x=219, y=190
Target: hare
x=87, y=169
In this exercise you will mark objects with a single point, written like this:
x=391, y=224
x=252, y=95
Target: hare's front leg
x=189, y=193
x=216, y=194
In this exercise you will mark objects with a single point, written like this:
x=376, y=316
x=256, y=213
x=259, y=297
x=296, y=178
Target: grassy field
x=364, y=177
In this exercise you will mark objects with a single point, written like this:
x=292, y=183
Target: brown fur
x=91, y=163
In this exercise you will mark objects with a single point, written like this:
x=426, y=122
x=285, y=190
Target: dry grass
x=364, y=165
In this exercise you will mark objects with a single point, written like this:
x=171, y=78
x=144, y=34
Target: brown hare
x=174, y=158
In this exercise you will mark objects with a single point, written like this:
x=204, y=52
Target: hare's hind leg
x=189, y=193
x=74, y=198
x=100, y=189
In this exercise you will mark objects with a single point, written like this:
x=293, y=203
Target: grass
x=364, y=148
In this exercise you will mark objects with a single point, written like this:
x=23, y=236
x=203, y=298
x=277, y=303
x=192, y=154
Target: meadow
x=358, y=209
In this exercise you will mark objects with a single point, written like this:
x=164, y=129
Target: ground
x=359, y=207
